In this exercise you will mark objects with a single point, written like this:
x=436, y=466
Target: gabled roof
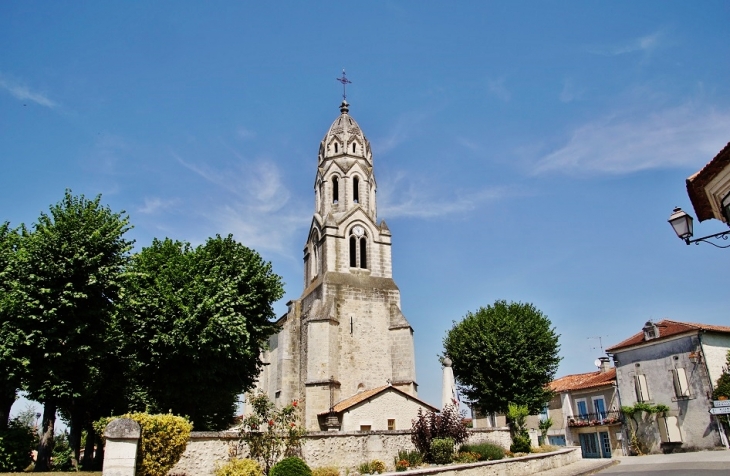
x=668, y=328
x=583, y=381
x=366, y=394
x=697, y=182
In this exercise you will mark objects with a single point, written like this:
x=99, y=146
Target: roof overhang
x=709, y=186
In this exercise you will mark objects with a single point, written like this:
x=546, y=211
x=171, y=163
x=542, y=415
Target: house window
x=365, y=427
x=599, y=405
x=681, y=385
x=582, y=408
x=391, y=421
x=669, y=429
x=544, y=413
x=642, y=391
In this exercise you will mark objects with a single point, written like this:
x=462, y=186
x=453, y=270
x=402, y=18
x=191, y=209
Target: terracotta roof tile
x=364, y=395
x=697, y=182
x=668, y=328
x=582, y=381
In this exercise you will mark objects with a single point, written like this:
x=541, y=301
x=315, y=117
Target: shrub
x=239, y=467
x=466, y=457
x=401, y=465
x=291, y=466
x=413, y=458
x=442, y=450
x=377, y=466
x=429, y=426
x=520, y=443
x=163, y=441
x=16, y=445
x=486, y=451
x=326, y=471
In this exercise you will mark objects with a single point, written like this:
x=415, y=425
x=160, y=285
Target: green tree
x=67, y=271
x=722, y=388
x=506, y=352
x=11, y=339
x=195, y=321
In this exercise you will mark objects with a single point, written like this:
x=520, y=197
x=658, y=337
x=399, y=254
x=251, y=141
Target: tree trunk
x=74, y=436
x=45, y=445
x=99, y=455
x=87, y=464
x=6, y=403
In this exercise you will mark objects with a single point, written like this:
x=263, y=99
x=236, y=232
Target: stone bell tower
x=346, y=333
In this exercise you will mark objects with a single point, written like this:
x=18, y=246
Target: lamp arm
x=724, y=236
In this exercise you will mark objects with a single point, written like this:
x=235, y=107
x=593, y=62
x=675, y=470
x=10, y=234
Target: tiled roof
x=364, y=395
x=697, y=182
x=582, y=381
x=668, y=328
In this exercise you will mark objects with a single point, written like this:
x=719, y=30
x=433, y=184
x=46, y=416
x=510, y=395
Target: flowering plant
x=271, y=432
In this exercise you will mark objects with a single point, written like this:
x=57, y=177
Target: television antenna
x=600, y=343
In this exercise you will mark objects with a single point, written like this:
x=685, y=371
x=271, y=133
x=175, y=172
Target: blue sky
x=527, y=151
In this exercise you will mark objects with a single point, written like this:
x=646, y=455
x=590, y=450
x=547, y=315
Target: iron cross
x=344, y=82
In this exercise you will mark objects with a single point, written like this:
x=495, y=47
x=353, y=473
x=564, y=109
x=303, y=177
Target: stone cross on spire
x=344, y=82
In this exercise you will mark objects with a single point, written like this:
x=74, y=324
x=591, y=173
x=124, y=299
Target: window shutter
x=642, y=392
x=681, y=385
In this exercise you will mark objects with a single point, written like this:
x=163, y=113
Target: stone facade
x=675, y=364
x=346, y=333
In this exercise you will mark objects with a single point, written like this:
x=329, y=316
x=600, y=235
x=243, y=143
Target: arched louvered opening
x=356, y=190
x=335, y=190
x=363, y=253
x=336, y=147
x=354, y=147
x=353, y=252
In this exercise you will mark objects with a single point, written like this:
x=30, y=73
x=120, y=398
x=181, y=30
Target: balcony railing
x=593, y=419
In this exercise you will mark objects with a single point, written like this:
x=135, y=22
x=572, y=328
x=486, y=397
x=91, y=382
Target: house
x=676, y=364
x=377, y=409
x=709, y=188
x=585, y=411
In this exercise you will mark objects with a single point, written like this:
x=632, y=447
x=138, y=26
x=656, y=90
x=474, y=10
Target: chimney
x=605, y=364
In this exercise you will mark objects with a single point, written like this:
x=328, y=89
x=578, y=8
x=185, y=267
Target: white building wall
x=376, y=412
x=714, y=348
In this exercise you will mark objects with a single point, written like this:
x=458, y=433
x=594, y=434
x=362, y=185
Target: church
x=345, y=350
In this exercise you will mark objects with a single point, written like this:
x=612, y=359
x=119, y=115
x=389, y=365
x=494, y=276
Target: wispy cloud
x=257, y=209
x=155, y=205
x=570, y=91
x=405, y=126
x=23, y=93
x=646, y=44
x=497, y=88
x=683, y=136
x=400, y=199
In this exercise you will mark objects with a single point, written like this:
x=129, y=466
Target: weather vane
x=344, y=82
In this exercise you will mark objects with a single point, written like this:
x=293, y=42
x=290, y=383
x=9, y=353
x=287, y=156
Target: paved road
x=701, y=463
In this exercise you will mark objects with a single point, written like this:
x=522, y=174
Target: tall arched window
x=356, y=190
x=353, y=252
x=336, y=147
x=358, y=248
x=354, y=147
x=335, y=190
x=363, y=253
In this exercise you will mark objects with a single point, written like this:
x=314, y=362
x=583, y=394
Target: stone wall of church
x=402, y=355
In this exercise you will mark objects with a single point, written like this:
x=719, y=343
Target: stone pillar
x=120, y=452
x=448, y=386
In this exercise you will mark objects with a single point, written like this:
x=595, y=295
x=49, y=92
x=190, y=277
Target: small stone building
x=346, y=334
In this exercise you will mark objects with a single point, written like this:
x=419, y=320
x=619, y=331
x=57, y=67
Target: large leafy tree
x=68, y=272
x=195, y=321
x=504, y=353
x=11, y=364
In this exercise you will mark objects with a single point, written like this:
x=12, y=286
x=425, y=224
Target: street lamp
x=682, y=224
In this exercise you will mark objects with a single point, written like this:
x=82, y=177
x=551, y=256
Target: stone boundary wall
x=321, y=448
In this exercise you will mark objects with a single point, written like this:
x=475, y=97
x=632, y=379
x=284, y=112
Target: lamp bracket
x=718, y=236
